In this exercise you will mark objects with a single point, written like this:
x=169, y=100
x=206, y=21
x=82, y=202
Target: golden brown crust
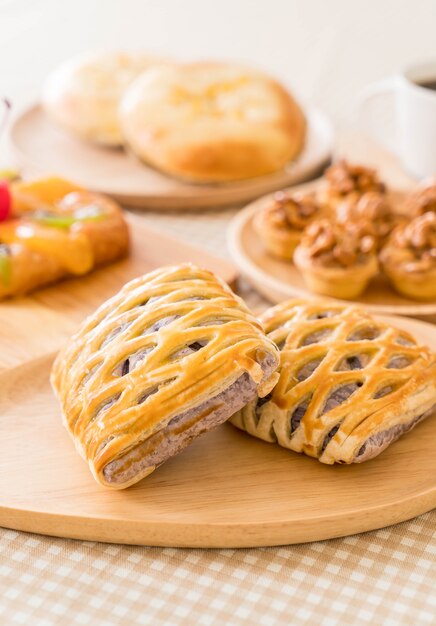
x=212, y=122
x=151, y=325
x=370, y=214
x=421, y=200
x=336, y=260
x=409, y=257
x=280, y=224
x=344, y=378
x=337, y=245
x=345, y=180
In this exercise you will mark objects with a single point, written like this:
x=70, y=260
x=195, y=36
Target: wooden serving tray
x=279, y=280
x=38, y=324
x=226, y=490
x=41, y=149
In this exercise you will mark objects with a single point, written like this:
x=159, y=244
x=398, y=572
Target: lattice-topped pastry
x=280, y=224
x=349, y=384
x=172, y=355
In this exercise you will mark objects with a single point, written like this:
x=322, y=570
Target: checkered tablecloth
x=386, y=577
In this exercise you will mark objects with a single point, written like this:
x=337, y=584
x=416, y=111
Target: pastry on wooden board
x=52, y=229
x=172, y=355
x=83, y=94
x=212, y=122
x=349, y=385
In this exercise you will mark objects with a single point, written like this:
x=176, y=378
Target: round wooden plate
x=41, y=148
x=227, y=489
x=279, y=280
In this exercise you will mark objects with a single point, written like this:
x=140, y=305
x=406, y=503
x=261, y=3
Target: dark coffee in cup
x=428, y=84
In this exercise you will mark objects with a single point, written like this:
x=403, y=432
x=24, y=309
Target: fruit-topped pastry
x=344, y=180
x=281, y=223
x=54, y=229
x=371, y=213
x=335, y=259
x=409, y=258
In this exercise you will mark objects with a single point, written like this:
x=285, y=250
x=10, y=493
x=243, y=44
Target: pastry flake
x=349, y=385
x=172, y=355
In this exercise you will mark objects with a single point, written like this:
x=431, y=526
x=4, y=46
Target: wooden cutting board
x=38, y=324
x=227, y=489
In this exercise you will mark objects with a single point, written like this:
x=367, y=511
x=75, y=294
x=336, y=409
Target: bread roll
x=211, y=122
x=83, y=94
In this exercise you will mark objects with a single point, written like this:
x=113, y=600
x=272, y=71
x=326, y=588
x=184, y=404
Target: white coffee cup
x=400, y=113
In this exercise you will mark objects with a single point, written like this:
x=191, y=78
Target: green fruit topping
x=90, y=213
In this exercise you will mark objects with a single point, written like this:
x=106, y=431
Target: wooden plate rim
x=221, y=534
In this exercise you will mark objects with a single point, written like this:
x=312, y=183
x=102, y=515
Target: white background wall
x=326, y=50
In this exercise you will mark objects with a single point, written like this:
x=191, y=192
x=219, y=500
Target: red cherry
x=5, y=201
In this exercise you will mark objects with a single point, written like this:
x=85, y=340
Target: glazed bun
x=211, y=122
x=83, y=95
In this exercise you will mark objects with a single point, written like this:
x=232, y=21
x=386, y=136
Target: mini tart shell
x=279, y=242
x=335, y=282
x=415, y=285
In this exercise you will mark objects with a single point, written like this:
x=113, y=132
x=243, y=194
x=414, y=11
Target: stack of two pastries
x=176, y=353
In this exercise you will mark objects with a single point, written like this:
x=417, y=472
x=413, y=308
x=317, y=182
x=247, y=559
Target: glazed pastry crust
x=394, y=386
x=153, y=324
x=212, y=122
